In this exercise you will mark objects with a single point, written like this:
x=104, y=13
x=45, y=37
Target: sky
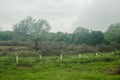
x=62, y=15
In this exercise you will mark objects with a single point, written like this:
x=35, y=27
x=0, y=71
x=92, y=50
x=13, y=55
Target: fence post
x=96, y=54
x=40, y=56
x=79, y=56
x=60, y=56
x=17, y=59
x=112, y=53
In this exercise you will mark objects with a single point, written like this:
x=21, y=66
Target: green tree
x=32, y=26
x=113, y=33
x=81, y=36
x=97, y=37
x=6, y=35
x=37, y=29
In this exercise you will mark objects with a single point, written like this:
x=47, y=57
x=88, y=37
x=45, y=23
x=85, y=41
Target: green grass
x=89, y=67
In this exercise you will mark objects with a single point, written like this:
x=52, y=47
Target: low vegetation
x=32, y=52
x=104, y=66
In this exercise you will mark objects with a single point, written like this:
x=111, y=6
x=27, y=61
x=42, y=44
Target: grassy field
x=88, y=67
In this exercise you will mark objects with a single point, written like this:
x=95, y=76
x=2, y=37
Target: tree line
x=35, y=33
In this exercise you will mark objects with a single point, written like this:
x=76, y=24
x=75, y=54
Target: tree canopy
x=113, y=33
x=38, y=31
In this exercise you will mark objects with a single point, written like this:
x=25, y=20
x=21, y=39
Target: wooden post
x=96, y=54
x=60, y=56
x=112, y=53
x=40, y=56
x=79, y=56
x=17, y=59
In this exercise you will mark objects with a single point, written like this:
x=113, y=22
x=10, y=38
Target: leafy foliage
x=35, y=35
x=113, y=33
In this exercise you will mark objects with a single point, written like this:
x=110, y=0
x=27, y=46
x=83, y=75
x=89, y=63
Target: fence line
x=78, y=56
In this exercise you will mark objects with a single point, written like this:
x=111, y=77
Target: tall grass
x=71, y=67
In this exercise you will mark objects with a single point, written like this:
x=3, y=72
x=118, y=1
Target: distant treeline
x=36, y=35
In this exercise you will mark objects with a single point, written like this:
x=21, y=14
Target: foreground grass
x=88, y=67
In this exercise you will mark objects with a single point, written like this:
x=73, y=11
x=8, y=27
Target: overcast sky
x=63, y=15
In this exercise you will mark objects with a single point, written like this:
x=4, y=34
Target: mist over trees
x=35, y=35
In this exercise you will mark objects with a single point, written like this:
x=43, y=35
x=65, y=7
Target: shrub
x=8, y=61
x=117, y=53
x=25, y=64
x=104, y=48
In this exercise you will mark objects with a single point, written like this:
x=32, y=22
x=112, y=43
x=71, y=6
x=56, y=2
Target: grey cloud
x=100, y=15
x=61, y=14
x=58, y=12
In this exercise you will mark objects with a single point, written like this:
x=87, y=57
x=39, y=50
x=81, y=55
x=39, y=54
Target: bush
x=8, y=60
x=27, y=53
x=25, y=64
x=117, y=53
x=104, y=48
